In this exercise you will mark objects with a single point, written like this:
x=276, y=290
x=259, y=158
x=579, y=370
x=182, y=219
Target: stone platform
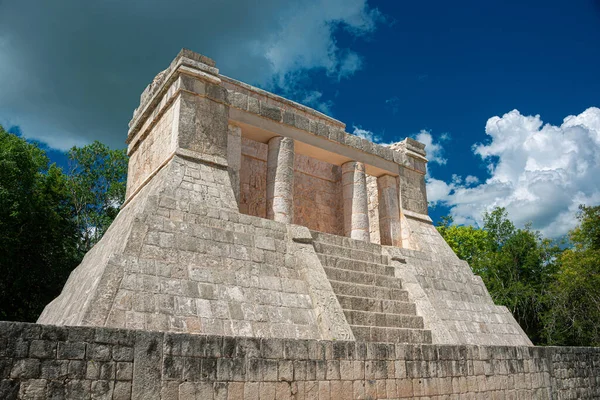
x=49, y=362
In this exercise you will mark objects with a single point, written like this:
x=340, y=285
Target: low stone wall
x=48, y=362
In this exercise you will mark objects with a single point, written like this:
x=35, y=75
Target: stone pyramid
x=250, y=215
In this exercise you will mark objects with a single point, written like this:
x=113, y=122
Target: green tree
x=516, y=265
x=468, y=242
x=37, y=234
x=574, y=317
x=97, y=182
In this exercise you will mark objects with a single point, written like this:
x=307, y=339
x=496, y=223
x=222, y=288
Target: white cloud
x=305, y=38
x=314, y=99
x=438, y=190
x=539, y=173
x=366, y=134
x=73, y=73
x=434, y=150
x=471, y=180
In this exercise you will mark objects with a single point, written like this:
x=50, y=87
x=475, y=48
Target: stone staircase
x=375, y=305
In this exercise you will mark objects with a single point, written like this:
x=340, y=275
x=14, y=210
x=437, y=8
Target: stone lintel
x=319, y=147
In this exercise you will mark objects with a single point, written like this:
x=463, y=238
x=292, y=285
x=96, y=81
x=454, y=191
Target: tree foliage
x=554, y=294
x=575, y=314
x=96, y=182
x=38, y=237
x=49, y=219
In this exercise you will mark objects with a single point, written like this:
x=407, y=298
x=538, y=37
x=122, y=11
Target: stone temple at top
x=248, y=214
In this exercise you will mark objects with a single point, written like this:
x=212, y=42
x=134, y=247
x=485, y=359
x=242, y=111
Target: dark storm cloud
x=72, y=71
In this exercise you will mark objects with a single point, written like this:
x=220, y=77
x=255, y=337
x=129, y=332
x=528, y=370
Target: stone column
x=280, y=179
x=234, y=158
x=356, y=207
x=389, y=211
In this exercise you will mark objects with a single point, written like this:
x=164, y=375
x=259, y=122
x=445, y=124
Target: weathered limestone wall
x=318, y=195
x=48, y=362
x=317, y=189
x=152, y=151
x=413, y=191
x=199, y=266
x=82, y=300
x=253, y=178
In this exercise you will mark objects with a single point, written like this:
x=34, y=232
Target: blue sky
x=487, y=85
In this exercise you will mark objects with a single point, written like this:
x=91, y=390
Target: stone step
x=353, y=254
x=355, y=265
x=395, y=335
x=376, y=292
x=343, y=241
x=344, y=275
x=366, y=318
x=377, y=305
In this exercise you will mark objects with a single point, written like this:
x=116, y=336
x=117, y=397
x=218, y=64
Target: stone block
x=238, y=100
x=53, y=333
x=54, y=369
x=124, y=371
x=209, y=369
x=268, y=369
x=102, y=389
x=33, y=389
x=80, y=333
x=332, y=370
x=26, y=369
x=77, y=369
x=301, y=122
x=122, y=391
x=269, y=111
x=71, y=350
x=286, y=370
x=42, y=349
x=324, y=390
x=147, y=366
x=295, y=349
x=98, y=352
x=5, y=367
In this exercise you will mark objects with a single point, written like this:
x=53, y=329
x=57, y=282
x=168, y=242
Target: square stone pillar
x=183, y=112
x=356, y=205
x=389, y=211
x=234, y=158
x=280, y=179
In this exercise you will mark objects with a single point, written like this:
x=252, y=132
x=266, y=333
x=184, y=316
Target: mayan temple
x=264, y=253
